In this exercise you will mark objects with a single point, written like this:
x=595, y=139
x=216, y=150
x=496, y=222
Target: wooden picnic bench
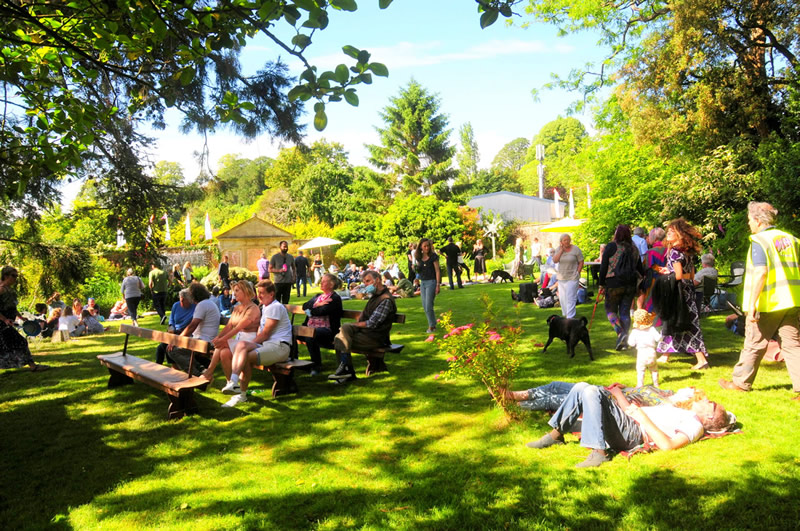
x=375, y=357
x=179, y=385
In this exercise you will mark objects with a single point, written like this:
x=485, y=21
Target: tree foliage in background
x=563, y=139
x=512, y=157
x=413, y=217
x=415, y=143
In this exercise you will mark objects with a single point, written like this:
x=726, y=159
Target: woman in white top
x=132, y=287
x=68, y=321
x=188, y=273
x=570, y=264
x=271, y=345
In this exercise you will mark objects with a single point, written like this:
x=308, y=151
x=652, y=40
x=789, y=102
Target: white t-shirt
x=672, y=420
x=68, y=323
x=644, y=339
x=208, y=313
x=283, y=330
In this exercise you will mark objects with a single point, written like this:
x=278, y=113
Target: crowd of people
x=656, y=271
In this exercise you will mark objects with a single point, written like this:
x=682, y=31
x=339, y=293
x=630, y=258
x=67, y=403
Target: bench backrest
x=189, y=343
x=295, y=309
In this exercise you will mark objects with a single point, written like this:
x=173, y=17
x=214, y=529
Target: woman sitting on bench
x=324, y=315
x=242, y=326
x=271, y=345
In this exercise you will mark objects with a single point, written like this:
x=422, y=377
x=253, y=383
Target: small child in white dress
x=645, y=338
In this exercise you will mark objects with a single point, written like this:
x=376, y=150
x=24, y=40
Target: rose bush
x=485, y=352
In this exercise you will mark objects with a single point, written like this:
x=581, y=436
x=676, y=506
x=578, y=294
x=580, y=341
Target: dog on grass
x=502, y=275
x=571, y=331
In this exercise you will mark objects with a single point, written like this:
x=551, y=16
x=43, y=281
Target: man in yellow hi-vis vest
x=771, y=296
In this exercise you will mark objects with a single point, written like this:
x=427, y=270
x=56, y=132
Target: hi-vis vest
x=782, y=288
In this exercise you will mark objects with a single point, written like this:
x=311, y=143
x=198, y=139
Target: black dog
x=499, y=273
x=570, y=330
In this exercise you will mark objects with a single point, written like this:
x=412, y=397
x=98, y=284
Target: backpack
x=623, y=265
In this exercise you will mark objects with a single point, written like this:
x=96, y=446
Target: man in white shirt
x=204, y=325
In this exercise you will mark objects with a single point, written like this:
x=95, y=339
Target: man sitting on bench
x=370, y=332
x=179, y=318
x=204, y=325
x=272, y=344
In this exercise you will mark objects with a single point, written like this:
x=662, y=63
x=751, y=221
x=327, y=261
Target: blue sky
x=483, y=77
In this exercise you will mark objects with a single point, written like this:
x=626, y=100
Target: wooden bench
x=375, y=358
x=179, y=385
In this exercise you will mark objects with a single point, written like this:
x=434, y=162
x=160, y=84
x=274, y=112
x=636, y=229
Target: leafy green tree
x=413, y=217
x=511, y=157
x=468, y=156
x=692, y=75
x=77, y=74
x=415, y=144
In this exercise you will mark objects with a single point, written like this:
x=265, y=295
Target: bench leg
x=375, y=364
x=181, y=405
x=284, y=383
x=118, y=379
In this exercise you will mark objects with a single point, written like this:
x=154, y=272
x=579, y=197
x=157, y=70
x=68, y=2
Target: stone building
x=245, y=242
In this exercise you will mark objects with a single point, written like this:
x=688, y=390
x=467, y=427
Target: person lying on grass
x=611, y=423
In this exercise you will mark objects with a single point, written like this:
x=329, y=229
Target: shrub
x=236, y=273
x=485, y=352
x=361, y=253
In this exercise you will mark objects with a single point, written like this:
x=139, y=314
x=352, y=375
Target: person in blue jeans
x=610, y=423
x=426, y=266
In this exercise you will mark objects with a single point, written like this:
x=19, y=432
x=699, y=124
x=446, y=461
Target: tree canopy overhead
x=71, y=71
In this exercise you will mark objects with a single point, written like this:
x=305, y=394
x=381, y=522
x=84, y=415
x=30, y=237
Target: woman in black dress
x=479, y=254
x=14, y=350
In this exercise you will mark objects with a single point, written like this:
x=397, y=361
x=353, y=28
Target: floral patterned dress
x=14, y=351
x=691, y=340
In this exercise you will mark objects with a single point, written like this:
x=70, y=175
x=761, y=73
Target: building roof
x=513, y=206
x=254, y=228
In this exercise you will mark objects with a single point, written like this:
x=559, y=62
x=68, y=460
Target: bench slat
x=159, y=376
x=190, y=343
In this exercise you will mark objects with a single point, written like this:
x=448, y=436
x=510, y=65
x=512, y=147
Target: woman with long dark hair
x=681, y=331
x=14, y=350
x=426, y=265
x=619, y=267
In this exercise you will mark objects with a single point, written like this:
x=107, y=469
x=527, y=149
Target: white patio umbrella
x=319, y=241
x=563, y=225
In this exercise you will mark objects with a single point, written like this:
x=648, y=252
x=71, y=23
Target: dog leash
x=597, y=300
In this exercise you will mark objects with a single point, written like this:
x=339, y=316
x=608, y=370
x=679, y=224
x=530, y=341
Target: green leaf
x=320, y=121
x=187, y=75
x=297, y=92
x=342, y=74
x=379, y=69
x=208, y=21
x=301, y=41
x=363, y=56
x=345, y=5
x=351, y=97
x=352, y=51
x=383, y=4
x=159, y=28
x=488, y=18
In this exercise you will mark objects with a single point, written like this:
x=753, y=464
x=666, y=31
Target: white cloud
x=409, y=54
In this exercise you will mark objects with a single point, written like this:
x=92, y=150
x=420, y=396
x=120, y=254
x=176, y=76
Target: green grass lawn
x=396, y=450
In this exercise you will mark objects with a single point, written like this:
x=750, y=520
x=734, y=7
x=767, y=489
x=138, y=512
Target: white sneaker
x=231, y=388
x=235, y=400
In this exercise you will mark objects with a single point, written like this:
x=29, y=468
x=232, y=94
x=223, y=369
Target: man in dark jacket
x=451, y=251
x=370, y=331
